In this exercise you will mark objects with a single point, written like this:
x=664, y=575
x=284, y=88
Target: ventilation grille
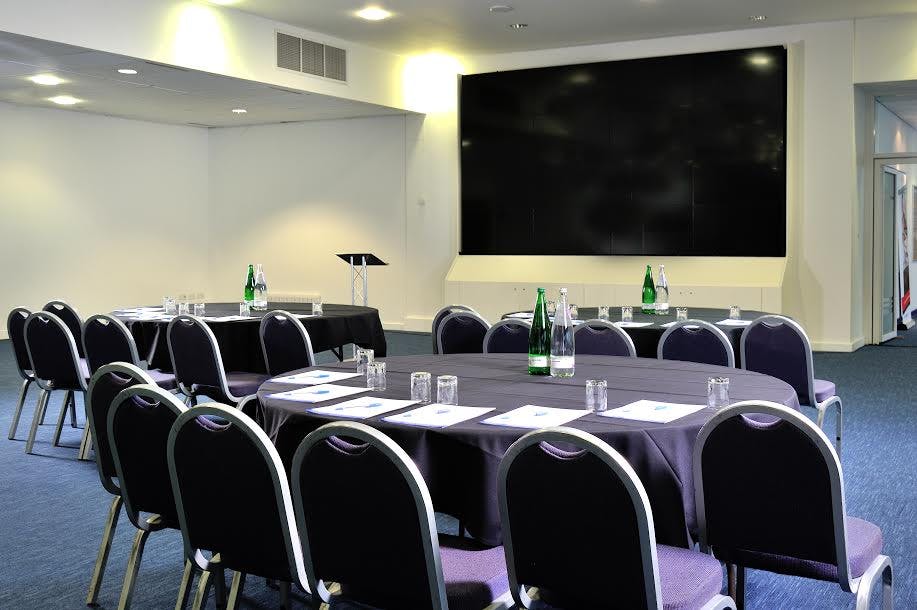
x=310, y=57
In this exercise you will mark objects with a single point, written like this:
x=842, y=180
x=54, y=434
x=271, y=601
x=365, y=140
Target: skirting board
x=838, y=346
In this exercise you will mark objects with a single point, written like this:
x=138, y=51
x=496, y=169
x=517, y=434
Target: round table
x=646, y=338
x=240, y=342
x=459, y=463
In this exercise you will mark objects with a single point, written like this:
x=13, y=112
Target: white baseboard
x=838, y=346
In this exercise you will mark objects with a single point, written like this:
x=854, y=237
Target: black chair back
x=285, y=343
x=138, y=427
x=106, y=383
x=52, y=352
x=399, y=562
x=106, y=339
x=196, y=358
x=508, y=336
x=15, y=328
x=439, y=317
x=71, y=318
x=232, y=494
x=602, y=338
x=778, y=346
x=696, y=341
x=462, y=332
x=564, y=512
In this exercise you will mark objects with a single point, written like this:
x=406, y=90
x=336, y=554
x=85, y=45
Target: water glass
x=168, y=306
x=551, y=307
x=365, y=357
x=447, y=390
x=735, y=313
x=681, y=314
x=574, y=311
x=199, y=309
x=421, y=386
x=718, y=392
x=627, y=314
x=375, y=375
x=184, y=308
x=317, y=307
x=603, y=312
x=597, y=395
x=245, y=309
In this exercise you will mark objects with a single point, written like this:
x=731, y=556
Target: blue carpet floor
x=52, y=507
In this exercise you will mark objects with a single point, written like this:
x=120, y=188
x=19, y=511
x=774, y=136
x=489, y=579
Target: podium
x=359, y=280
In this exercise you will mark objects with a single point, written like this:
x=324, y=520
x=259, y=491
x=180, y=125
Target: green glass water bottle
x=249, y=294
x=649, y=292
x=540, y=338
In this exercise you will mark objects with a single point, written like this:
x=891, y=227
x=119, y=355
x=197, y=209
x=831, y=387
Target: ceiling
x=467, y=26
x=158, y=92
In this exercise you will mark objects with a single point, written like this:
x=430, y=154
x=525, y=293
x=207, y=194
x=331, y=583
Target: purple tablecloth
x=460, y=463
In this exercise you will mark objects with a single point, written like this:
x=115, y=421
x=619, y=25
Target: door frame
x=880, y=163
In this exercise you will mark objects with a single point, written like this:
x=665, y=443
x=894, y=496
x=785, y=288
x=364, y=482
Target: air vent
x=310, y=57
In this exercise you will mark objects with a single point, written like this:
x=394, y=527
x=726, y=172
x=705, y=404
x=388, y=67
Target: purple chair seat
x=474, y=576
x=824, y=389
x=687, y=579
x=164, y=380
x=864, y=544
x=240, y=384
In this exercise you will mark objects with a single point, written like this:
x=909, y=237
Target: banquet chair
x=509, y=336
x=233, y=499
x=587, y=503
x=56, y=365
x=781, y=510
x=696, y=341
x=343, y=467
x=440, y=316
x=106, y=383
x=285, y=343
x=602, y=338
x=106, y=339
x=779, y=347
x=462, y=332
x=138, y=426
x=71, y=318
x=15, y=328
x=198, y=364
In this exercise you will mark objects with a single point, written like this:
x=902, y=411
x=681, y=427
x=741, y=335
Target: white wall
x=99, y=211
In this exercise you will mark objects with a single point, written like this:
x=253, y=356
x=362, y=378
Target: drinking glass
x=735, y=312
x=421, y=386
x=574, y=311
x=447, y=390
x=627, y=314
x=375, y=375
x=551, y=307
x=168, y=306
x=603, y=312
x=245, y=309
x=199, y=309
x=183, y=308
x=718, y=392
x=597, y=395
x=681, y=314
x=365, y=357
x=317, y=306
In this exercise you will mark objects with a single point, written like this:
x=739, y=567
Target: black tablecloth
x=646, y=338
x=459, y=463
x=240, y=344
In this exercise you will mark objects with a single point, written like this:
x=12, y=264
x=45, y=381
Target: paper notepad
x=315, y=377
x=653, y=411
x=534, y=417
x=318, y=393
x=623, y=324
x=437, y=415
x=225, y=318
x=363, y=407
x=734, y=322
x=668, y=324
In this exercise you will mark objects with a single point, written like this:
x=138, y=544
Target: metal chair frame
x=189, y=392
x=719, y=334
x=607, y=326
x=438, y=320
x=58, y=305
x=820, y=407
x=27, y=377
x=625, y=473
x=297, y=324
x=457, y=314
x=881, y=567
x=503, y=323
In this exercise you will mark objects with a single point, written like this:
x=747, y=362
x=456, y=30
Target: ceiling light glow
x=126, y=71
x=501, y=8
x=373, y=13
x=239, y=110
x=757, y=18
x=46, y=79
x=64, y=100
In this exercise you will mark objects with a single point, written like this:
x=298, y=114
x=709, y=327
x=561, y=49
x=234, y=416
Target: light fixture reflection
x=64, y=100
x=46, y=79
x=373, y=13
x=126, y=71
x=760, y=60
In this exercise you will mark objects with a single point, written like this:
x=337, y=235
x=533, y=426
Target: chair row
x=772, y=345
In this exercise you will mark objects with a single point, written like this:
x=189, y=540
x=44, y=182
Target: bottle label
x=561, y=362
x=538, y=361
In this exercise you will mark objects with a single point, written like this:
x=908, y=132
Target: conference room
x=424, y=305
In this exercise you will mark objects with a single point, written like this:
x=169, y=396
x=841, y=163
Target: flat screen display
x=679, y=156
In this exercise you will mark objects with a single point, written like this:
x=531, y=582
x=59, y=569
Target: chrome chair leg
x=235, y=590
x=133, y=566
x=73, y=411
x=203, y=590
x=60, y=418
x=184, y=589
x=37, y=418
x=284, y=595
x=19, y=405
x=95, y=583
x=85, y=443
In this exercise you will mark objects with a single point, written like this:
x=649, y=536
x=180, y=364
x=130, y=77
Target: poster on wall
x=904, y=256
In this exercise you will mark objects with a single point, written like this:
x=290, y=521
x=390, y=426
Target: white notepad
x=623, y=324
x=668, y=324
x=315, y=377
x=653, y=411
x=734, y=322
x=437, y=415
x=363, y=407
x=318, y=393
x=535, y=417
x=225, y=318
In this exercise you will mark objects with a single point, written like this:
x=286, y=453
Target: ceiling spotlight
x=501, y=8
x=46, y=79
x=64, y=100
x=518, y=26
x=126, y=71
x=239, y=110
x=757, y=18
x=373, y=13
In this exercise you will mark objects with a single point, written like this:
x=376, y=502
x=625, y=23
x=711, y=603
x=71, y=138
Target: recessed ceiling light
x=501, y=8
x=518, y=26
x=64, y=100
x=46, y=79
x=373, y=13
x=757, y=18
x=239, y=110
x=126, y=71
